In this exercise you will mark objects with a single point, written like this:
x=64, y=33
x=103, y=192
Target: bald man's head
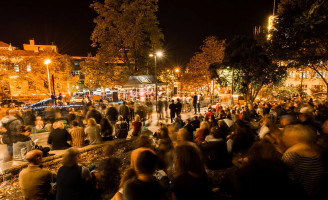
x=34, y=157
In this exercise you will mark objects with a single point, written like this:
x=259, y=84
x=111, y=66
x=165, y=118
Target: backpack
x=121, y=130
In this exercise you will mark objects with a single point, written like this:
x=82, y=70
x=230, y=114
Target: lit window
x=28, y=68
x=16, y=68
x=307, y=74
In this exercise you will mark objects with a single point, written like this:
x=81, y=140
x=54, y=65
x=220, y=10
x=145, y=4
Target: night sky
x=185, y=23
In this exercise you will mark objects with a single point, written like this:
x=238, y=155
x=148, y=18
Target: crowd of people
x=261, y=150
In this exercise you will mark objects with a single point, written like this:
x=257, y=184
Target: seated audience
x=77, y=134
x=144, y=186
x=92, y=131
x=121, y=128
x=23, y=143
x=34, y=181
x=137, y=125
x=72, y=178
x=59, y=136
x=190, y=180
x=202, y=133
x=303, y=161
x=215, y=150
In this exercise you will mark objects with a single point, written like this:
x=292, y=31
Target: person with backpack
x=121, y=128
x=12, y=125
x=125, y=112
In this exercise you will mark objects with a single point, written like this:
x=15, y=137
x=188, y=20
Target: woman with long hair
x=137, y=125
x=72, y=178
x=93, y=131
x=190, y=180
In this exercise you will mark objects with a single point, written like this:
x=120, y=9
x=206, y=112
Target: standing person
x=166, y=106
x=149, y=105
x=112, y=114
x=125, y=112
x=12, y=124
x=33, y=180
x=199, y=96
x=72, y=178
x=194, y=102
x=178, y=108
x=172, y=108
x=93, y=131
x=77, y=134
x=160, y=109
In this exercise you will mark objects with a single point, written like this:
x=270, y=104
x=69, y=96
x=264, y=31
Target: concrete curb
x=17, y=166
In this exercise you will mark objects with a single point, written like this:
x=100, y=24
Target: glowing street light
x=47, y=62
x=155, y=55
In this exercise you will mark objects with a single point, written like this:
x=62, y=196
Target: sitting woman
x=93, y=132
x=23, y=143
x=72, y=178
x=190, y=179
x=106, y=129
x=59, y=136
x=201, y=133
x=137, y=124
x=121, y=128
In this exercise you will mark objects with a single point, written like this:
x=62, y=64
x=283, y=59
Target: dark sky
x=185, y=23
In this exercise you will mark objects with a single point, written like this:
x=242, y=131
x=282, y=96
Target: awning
x=142, y=82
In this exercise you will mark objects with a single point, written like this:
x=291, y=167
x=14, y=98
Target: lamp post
x=177, y=70
x=47, y=62
x=155, y=55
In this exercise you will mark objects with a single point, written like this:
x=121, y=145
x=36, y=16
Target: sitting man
x=33, y=180
x=144, y=186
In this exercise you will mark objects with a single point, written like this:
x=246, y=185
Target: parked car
x=11, y=103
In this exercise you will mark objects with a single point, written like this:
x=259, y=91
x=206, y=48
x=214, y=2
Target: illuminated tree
x=300, y=35
x=28, y=74
x=126, y=32
x=199, y=73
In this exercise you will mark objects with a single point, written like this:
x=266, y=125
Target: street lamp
x=155, y=55
x=47, y=62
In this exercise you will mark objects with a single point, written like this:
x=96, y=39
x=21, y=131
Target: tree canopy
x=28, y=74
x=199, y=71
x=251, y=67
x=126, y=32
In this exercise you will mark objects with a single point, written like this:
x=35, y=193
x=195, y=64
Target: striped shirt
x=77, y=134
x=306, y=171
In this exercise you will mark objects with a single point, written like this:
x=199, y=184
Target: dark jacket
x=58, y=139
x=112, y=114
x=172, y=108
x=216, y=154
x=94, y=114
x=178, y=107
x=70, y=184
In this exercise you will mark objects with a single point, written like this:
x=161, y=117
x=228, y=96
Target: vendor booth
x=143, y=87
